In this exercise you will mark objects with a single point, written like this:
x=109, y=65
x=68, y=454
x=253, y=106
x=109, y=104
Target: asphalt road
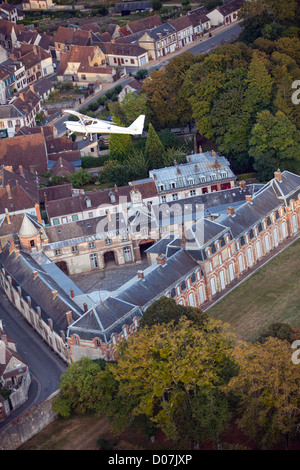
x=45, y=366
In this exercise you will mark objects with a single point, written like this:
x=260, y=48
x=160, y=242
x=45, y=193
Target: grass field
x=270, y=295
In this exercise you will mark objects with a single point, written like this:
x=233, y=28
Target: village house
x=12, y=79
x=9, y=34
x=18, y=191
x=143, y=24
x=21, y=111
x=38, y=63
x=31, y=150
x=126, y=8
x=200, y=22
x=11, y=12
x=200, y=263
x=225, y=14
x=134, y=86
x=14, y=375
x=159, y=41
x=37, y=4
x=65, y=38
x=85, y=64
x=184, y=29
x=121, y=54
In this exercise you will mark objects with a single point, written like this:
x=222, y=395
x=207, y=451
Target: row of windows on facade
x=191, y=181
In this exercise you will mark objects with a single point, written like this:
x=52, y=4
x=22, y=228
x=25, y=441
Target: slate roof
x=80, y=231
x=55, y=192
x=109, y=316
x=98, y=198
x=40, y=290
x=198, y=166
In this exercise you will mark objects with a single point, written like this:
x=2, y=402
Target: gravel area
x=108, y=279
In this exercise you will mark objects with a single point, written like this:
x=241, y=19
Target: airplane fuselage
x=75, y=126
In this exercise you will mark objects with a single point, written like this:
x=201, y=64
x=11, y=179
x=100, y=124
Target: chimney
x=140, y=274
x=8, y=191
x=213, y=153
x=54, y=294
x=72, y=292
x=161, y=259
x=12, y=245
x=178, y=170
x=277, y=175
x=175, y=163
x=85, y=307
x=249, y=198
x=50, y=323
x=38, y=213
x=7, y=216
x=21, y=96
x=196, y=168
x=243, y=185
x=8, y=168
x=35, y=274
x=183, y=237
x=17, y=252
x=69, y=317
x=230, y=210
x=116, y=188
x=31, y=87
x=190, y=159
x=200, y=149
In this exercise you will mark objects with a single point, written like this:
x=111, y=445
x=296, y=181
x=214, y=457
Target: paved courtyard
x=108, y=279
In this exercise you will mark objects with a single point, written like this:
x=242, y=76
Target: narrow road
x=46, y=368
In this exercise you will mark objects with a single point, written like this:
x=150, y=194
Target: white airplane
x=89, y=126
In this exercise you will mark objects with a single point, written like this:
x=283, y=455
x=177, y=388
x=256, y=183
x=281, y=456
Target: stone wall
x=28, y=424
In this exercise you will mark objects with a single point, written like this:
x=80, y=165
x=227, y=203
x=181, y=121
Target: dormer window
x=88, y=202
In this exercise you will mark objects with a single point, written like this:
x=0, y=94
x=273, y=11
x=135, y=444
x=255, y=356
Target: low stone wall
x=28, y=424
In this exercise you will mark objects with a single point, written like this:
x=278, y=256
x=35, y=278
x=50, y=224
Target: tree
x=137, y=165
x=166, y=310
x=132, y=106
x=277, y=330
x=78, y=388
x=259, y=86
x=120, y=145
x=80, y=178
x=154, y=149
x=274, y=143
x=267, y=387
x=167, y=369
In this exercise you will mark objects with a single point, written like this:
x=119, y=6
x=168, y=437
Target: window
x=193, y=192
x=175, y=197
x=91, y=245
x=75, y=249
x=127, y=253
x=108, y=241
x=56, y=221
x=74, y=218
x=64, y=220
x=94, y=260
x=90, y=215
x=164, y=199
x=125, y=238
x=57, y=252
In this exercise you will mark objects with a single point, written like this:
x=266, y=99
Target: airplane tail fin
x=137, y=126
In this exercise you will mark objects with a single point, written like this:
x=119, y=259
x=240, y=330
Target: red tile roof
x=26, y=150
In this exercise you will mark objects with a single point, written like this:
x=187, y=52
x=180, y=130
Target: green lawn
x=271, y=295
